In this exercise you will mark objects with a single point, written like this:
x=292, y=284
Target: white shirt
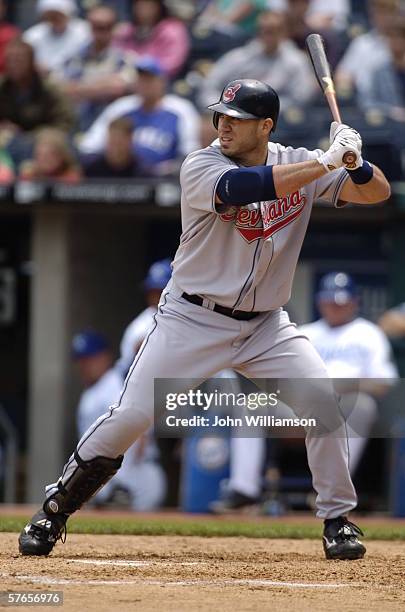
x=288, y=70
x=94, y=401
x=364, y=54
x=358, y=349
x=53, y=50
x=133, y=337
x=339, y=10
x=95, y=139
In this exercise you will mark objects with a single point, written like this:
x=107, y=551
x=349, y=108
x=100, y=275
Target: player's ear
x=268, y=125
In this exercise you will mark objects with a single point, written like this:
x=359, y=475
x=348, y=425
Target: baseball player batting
x=223, y=307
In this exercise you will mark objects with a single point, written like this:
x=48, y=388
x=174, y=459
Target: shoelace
x=354, y=529
x=62, y=534
x=41, y=534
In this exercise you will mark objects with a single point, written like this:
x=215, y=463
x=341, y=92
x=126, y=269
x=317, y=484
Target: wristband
x=361, y=175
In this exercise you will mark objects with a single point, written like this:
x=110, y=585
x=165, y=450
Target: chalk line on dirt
x=119, y=562
x=129, y=562
x=192, y=582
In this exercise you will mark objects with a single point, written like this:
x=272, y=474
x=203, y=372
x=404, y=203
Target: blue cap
x=158, y=275
x=150, y=64
x=337, y=287
x=88, y=343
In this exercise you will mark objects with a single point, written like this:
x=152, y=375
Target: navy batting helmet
x=247, y=99
x=158, y=275
x=88, y=343
x=337, y=287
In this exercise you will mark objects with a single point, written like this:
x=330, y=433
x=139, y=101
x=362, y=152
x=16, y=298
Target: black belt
x=240, y=315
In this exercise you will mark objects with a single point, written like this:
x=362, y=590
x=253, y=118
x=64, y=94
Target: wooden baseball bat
x=316, y=51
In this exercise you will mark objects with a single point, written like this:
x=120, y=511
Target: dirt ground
x=105, y=572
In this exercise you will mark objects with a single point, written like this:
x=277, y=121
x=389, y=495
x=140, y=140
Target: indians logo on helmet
x=230, y=93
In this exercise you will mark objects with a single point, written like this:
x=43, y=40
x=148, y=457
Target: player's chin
x=227, y=148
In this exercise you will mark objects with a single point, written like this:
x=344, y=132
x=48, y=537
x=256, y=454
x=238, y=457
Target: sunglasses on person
x=102, y=27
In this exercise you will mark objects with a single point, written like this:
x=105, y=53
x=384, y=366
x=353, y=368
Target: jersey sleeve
x=83, y=420
x=88, y=411
x=94, y=401
x=189, y=130
x=33, y=34
x=329, y=186
x=380, y=364
x=199, y=177
x=306, y=330
x=134, y=335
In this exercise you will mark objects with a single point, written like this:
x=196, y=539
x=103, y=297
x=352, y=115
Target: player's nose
x=224, y=123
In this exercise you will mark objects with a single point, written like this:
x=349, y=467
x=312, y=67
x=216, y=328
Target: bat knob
x=349, y=159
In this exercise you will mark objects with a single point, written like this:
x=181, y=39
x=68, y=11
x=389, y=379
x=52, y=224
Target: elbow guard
x=241, y=186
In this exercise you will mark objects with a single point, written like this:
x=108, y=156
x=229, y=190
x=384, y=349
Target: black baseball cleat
x=40, y=535
x=340, y=539
x=232, y=501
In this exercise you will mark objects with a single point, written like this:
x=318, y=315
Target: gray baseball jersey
x=244, y=259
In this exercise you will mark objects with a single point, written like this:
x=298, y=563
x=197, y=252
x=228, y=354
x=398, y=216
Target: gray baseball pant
x=191, y=341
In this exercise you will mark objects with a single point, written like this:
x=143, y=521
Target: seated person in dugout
x=141, y=478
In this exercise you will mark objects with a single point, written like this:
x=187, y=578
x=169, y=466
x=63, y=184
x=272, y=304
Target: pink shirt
x=7, y=33
x=168, y=42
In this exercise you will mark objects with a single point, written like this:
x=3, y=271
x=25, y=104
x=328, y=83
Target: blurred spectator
x=7, y=33
x=59, y=36
x=247, y=458
x=239, y=16
x=165, y=127
x=392, y=322
x=28, y=102
x=156, y=280
x=352, y=349
x=271, y=57
x=99, y=73
x=208, y=131
x=53, y=159
x=6, y=168
x=355, y=350
x=387, y=82
x=154, y=33
x=118, y=159
x=299, y=27
x=326, y=15
x=140, y=476
x=368, y=51
x=122, y=7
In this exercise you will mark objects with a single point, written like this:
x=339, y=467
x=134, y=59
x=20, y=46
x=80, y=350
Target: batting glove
x=341, y=155
x=340, y=132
